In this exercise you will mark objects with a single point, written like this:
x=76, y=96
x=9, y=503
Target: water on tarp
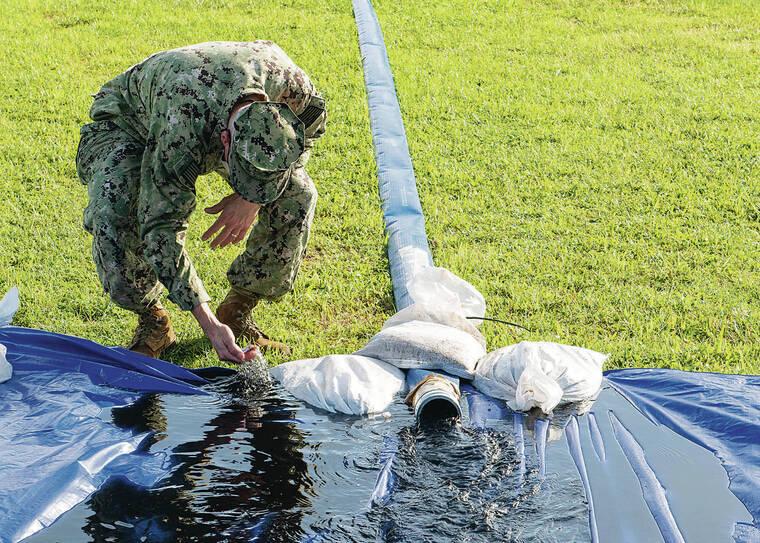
x=252, y=380
x=249, y=464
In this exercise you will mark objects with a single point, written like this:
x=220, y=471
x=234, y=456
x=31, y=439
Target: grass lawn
x=592, y=167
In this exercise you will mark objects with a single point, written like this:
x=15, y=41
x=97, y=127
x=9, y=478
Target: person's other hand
x=237, y=216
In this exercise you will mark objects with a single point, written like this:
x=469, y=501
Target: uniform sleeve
x=167, y=199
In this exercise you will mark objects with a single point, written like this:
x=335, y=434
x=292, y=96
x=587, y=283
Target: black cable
x=500, y=321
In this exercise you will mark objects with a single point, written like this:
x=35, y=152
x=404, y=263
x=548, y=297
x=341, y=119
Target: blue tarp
x=112, y=366
x=652, y=469
x=720, y=413
x=663, y=455
x=56, y=448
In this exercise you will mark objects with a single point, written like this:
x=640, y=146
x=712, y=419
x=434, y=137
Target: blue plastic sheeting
x=408, y=249
x=57, y=449
x=112, y=366
x=636, y=452
x=644, y=452
x=720, y=413
x=662, y=455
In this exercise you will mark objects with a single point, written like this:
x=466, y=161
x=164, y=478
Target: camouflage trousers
x=109, y=162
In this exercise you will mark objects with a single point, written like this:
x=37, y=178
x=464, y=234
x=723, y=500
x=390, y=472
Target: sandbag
x=431, y=313
x=426, y=345
x=8, y=307
x=521, y=374
x=535, y=389
x=6, y=370
x=342, y=383
x=438, y=287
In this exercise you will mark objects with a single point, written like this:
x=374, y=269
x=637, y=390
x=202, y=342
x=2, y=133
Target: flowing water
x=249, y=464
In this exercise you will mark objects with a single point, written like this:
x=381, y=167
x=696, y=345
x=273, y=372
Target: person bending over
x=244, y=110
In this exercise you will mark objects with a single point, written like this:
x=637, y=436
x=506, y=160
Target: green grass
x=591, y=167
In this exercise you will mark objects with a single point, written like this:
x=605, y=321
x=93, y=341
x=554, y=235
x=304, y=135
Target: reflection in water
x=225, y=486
x=248, y=465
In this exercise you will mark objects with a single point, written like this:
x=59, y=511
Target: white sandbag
x=438, y=287
x=6, y=371
x=576, y=371
x=342, y=383
x=535, y=389
x=8, y=306
x=431, y=313
x=426, y=345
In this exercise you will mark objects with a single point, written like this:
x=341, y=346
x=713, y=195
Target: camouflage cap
x=267, y=138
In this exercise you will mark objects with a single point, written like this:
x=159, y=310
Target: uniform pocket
x=93, y=139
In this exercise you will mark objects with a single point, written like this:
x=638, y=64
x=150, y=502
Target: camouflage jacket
x=178, y=102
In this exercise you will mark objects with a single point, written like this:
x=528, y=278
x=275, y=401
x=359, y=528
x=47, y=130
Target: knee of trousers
x=127, y=278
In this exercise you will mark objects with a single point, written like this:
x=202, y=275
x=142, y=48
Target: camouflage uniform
x=157, y=128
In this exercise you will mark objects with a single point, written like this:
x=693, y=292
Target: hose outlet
x=433, y=396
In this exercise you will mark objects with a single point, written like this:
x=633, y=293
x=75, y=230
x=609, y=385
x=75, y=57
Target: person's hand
x=221, y=337
x=237, y=216
x=223, y=340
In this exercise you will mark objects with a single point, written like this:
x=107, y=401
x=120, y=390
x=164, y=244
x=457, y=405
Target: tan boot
x=235, y=312
x=154, y=333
